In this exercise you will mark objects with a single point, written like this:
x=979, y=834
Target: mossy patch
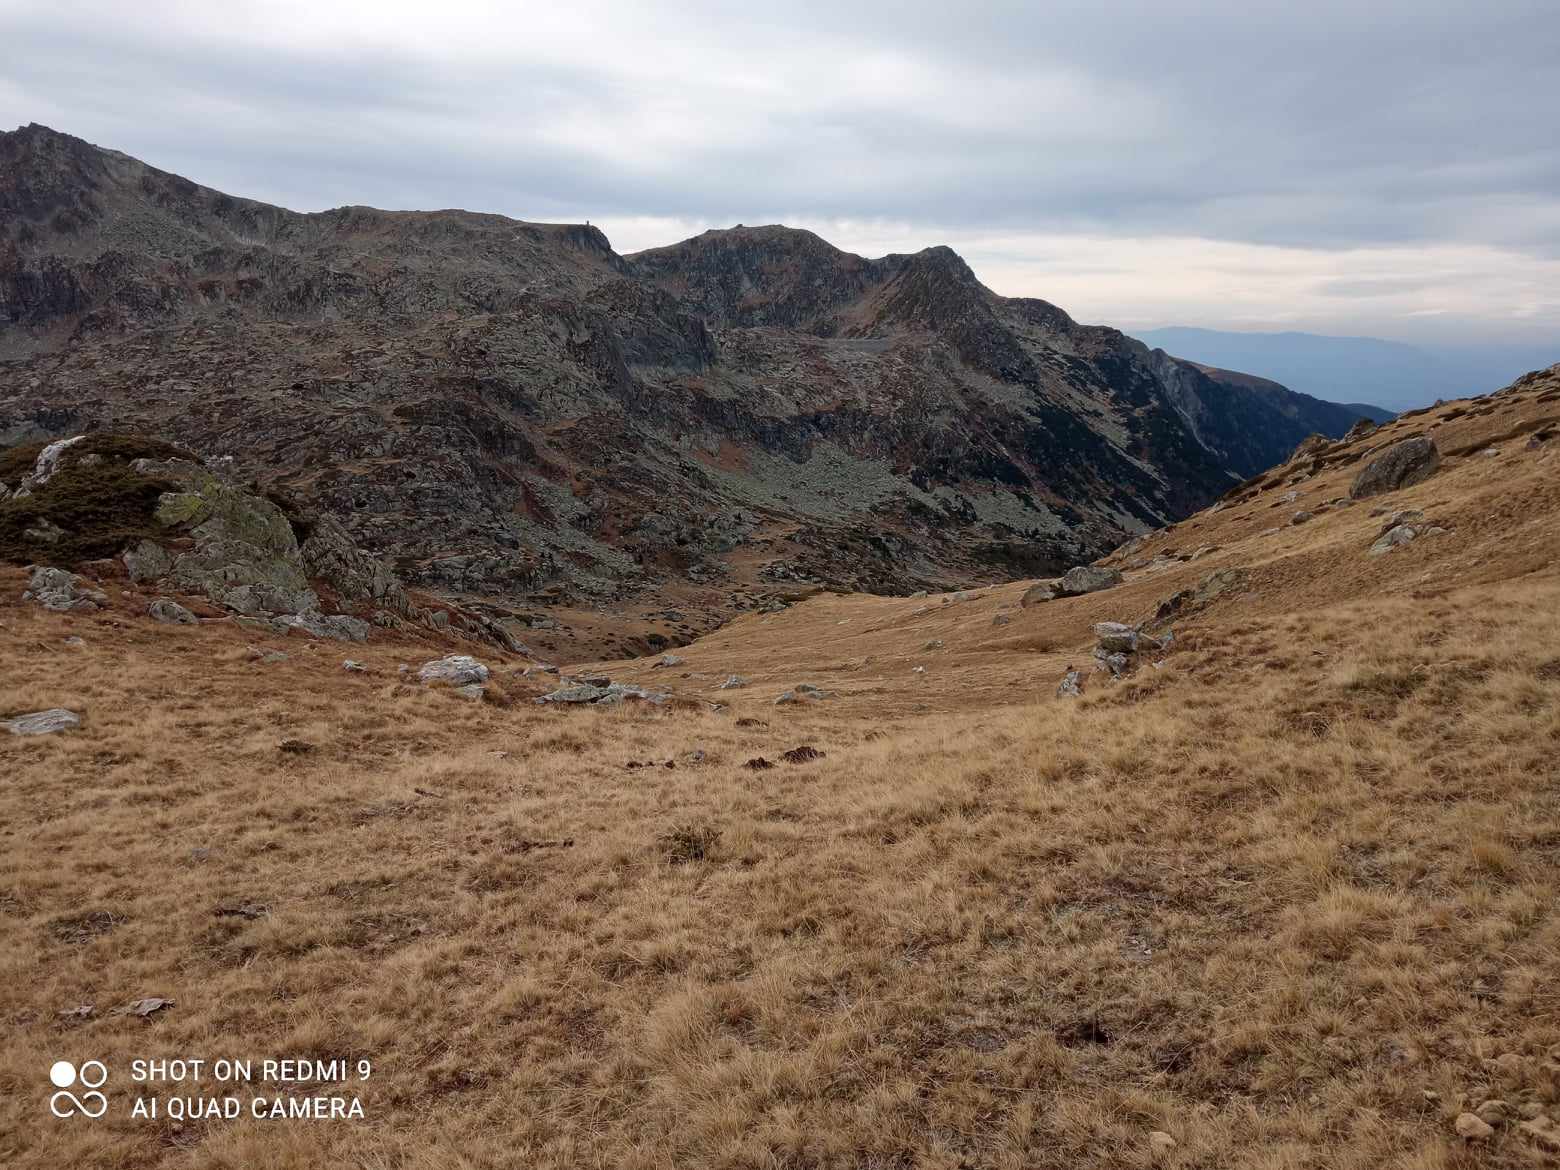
x=100, y=505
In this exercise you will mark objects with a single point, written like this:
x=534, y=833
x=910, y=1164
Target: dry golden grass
x=1289, y=898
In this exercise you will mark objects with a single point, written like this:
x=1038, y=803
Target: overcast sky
x=1385, y=167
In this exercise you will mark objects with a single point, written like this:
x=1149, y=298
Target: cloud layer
x=1388, y=167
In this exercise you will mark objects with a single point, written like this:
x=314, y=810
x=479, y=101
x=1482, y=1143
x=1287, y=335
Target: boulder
x=1471, y=1129
x=62, y=591
x=42, y=722
x=171, y=612
x=339, y=626
x=1188, y=600
x=1088, y=579
x=1394, y=536
x=1359, y=430
x=1116, y=636
x=733, y=681
x=607, y=696
x=1116, y=662
x=578, y=693
x=1035, y=594
x=1399, y=466
x=1310, y=447
x=45, y=465
x=455, y=670
x=1402, y=516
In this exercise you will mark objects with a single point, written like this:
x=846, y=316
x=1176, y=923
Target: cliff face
x=505, y=408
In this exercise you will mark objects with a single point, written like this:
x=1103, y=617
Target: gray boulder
x=171, y=612
x=1397, y=535
x=1399, y=466
x=455, y=670
x=733, y=682
x=1116, y=636
x=62, y=591
x=579, y=693
x=1088, y=579
x=1116, y=663
x=342, y=627
x=42, y=722
x=1402, y=516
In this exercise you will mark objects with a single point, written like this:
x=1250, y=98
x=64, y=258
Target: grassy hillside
x=1284, y=896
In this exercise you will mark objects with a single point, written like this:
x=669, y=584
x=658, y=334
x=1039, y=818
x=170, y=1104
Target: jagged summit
x=511, y=410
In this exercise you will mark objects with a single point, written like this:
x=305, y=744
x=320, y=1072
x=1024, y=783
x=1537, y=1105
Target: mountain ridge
x=512, y=410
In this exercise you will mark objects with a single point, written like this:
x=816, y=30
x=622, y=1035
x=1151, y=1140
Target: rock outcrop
x=1401, y=465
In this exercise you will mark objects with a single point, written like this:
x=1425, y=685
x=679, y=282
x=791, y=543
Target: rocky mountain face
x=513, y=411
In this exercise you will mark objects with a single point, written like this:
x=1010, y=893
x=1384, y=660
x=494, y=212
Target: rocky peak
x=761, y=276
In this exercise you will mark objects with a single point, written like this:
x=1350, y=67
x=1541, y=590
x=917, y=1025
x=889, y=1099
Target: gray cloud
x=1327, y=126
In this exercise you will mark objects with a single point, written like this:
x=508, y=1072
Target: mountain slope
x=513, y=411
x=1282, y=896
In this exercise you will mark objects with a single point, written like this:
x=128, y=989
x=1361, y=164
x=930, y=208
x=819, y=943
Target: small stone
x=1160, y=1144
x=733, y=682
x=470, y=691
x=352, y=666
x=1493, y=1111
x=668, y=660
x=1071, y=685
x=934, y=644
x=1471, y=1129
x=785, y=697
x=1000, y=619
x=1301, y=517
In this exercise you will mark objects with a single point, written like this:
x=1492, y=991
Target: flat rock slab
x=42, y=722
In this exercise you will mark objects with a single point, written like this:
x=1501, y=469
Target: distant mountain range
x=509, y=409
x=1357, y=369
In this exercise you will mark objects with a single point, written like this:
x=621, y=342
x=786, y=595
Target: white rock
x=42, y=722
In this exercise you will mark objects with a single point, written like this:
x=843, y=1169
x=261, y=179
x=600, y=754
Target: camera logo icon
x=93, y=1075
